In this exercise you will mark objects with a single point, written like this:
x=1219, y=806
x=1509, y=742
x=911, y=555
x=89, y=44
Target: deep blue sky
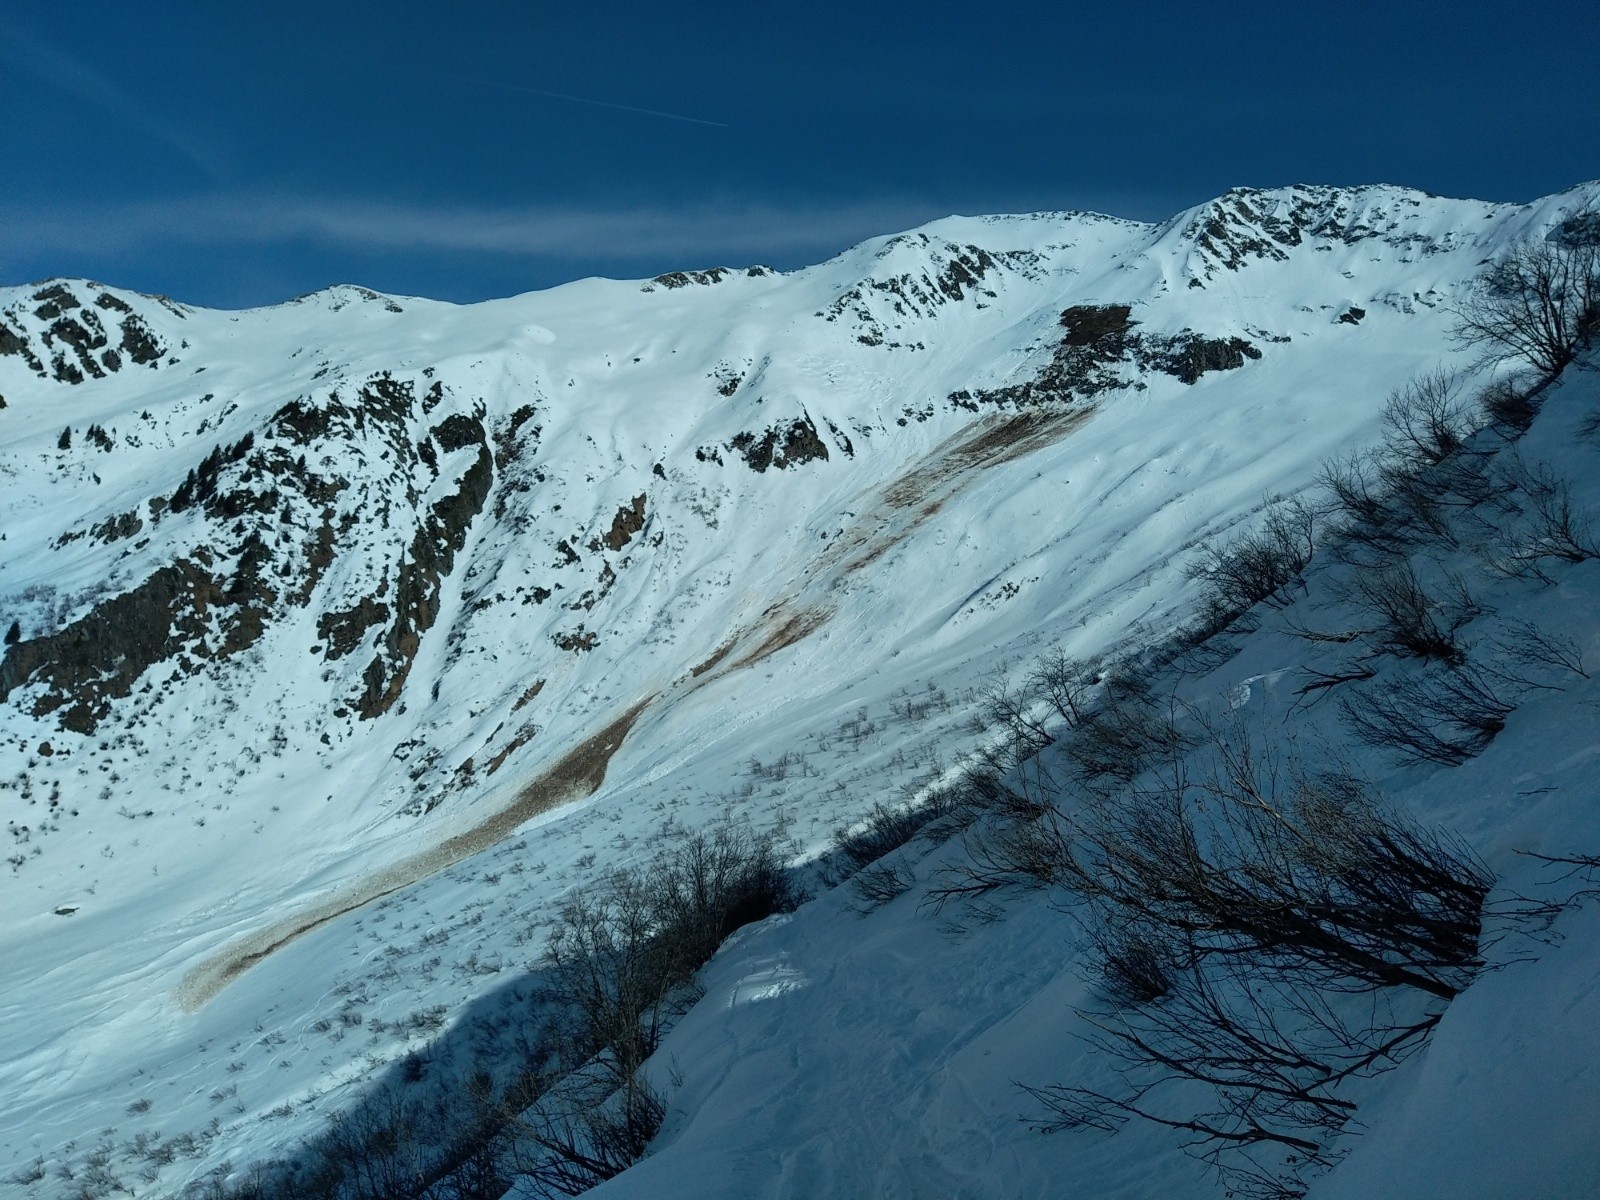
x=236, y=154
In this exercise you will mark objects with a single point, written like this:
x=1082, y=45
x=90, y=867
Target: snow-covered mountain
x=344, y=637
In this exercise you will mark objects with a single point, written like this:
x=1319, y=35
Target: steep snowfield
x=352, y=633
x=855, y=1050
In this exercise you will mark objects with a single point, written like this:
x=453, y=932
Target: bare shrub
x=886, y=828
x=1418, y=485
x=1224, y=915
x=618, y=958
x=1275, y=1061
x=1412, y=622
x=1559, y=529
x=1528, y=646
x=1543, y=524
x=988, y=790
x=1009, y=776
x=1355, y=484
x=1310, y=871
x=1068, y=685
x=1318, y=683
x=914, y=709
x=1540, y=301
x=1023, y=839
x=1425, y=421
x=1443, y=716
x=606, y=963
x=29, y=1174
x=1511, y=403
x=1589, y=427
x=1128, y=732
x=710, y=884
x=620, y=964
x=1434, y=505
x=1257, y=565
x=1133, y=964
x=586, y=1132
x=1031, y=853
x=1382, y=512
x=382, y=1149
x=880, y=882
x=1023, y=725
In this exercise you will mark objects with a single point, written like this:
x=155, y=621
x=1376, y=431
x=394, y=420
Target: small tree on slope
x=1541, y=301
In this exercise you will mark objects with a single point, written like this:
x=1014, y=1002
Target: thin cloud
x=649, y=112
x=55, y=67
x=622, y=234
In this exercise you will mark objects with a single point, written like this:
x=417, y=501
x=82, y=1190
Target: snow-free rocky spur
x=347, y=640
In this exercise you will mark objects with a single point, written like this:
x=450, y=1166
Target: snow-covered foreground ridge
x=322, y=619
x=1007, y=1001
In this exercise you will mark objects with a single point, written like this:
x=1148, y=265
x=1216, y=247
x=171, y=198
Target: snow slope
x=351, y=633
x=854, y=1050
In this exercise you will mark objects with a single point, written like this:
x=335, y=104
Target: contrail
x=649, y=112
x=28, y=49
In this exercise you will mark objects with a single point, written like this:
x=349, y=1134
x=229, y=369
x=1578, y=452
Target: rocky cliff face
x=69, y=335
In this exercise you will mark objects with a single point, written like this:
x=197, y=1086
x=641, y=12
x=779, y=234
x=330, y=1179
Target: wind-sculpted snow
x=302, y=604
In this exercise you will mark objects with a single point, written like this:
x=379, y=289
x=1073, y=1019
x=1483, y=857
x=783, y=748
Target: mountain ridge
x=308, y=591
